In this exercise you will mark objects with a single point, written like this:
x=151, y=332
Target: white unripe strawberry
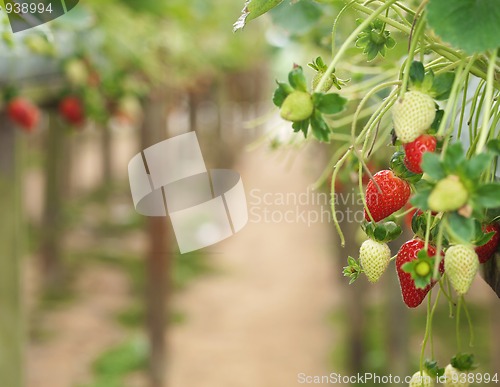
x=454, y=377
x=461, y=265
x=449, y=194
x=412, y=115
x=421, y=380
x=297, y=106
x=374, y=258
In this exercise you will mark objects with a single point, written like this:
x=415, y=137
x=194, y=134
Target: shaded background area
x=98, y=296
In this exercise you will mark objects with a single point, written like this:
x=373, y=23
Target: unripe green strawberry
x=297, y=106
x=412, y=115
x=454, y=377
x=76, y=72
x=461, y=265
x=317, y=78
x=421, y=380
x=449, y=194
x=374, y=258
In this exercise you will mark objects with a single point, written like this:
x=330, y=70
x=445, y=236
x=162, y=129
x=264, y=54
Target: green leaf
x=297, y=79
x=471, y=25
x=432, y=166
x=281, y=93
x=319, y=127
x=461, y=227
x=488, y=195
x=417, y=73
x=330, y=103
x=253, y=9
x=390, y=42
x=441, y=86
x=297, y=17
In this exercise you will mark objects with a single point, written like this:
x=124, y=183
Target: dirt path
x=264, y=319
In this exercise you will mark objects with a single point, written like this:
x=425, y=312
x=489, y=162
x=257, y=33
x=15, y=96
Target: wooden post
x=11, y=314
x=159, y=259
x=50, y=248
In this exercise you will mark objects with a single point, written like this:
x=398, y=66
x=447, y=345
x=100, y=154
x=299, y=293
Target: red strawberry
x=23, y=113
x=72, y=110
x=415, y=150
x=486, y=251
x=412, y=296
x=393, y=195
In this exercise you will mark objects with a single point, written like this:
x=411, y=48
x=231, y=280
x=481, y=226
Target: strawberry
x=454, y=377
x=449, y=194
x=456, y=374
x=72, y=110
x=23, y=113
x=461, y=263
x=374, y=258
x=297, y=106
x=486, y=251
x=421, y=379
x=393, y=195
x=412, y=115
x=413, y=296
x=415, y=150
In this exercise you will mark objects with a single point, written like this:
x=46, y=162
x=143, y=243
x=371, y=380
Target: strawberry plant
x=434, y=102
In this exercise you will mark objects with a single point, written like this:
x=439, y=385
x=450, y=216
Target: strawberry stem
x=459, y=306
x=469, y=321
x=427, y=331
x=489, y=100
x=348, y=43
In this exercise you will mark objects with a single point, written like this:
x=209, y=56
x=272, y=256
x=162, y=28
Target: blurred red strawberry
x=24, y=113
x=71, y=108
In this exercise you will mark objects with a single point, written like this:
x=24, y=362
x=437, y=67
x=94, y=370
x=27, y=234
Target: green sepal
x=462, y=229
x=301, y=126
x=494, y=146
x=382, y=232
x=421, y=280
x=297, y=79
x=281, y=92
x=319, y=127
x=330, y=103
x=417, y=73
x=421, y=197
x=432, y=166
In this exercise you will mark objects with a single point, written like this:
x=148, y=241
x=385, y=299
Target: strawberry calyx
x=437, y=86
x=453, y=184
x=433, y=369
x=382, y=232
x=400, y=169
x=420, y=269
x=353, y=269
x=320, y=67
x=304, y=109
x=464, y=362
